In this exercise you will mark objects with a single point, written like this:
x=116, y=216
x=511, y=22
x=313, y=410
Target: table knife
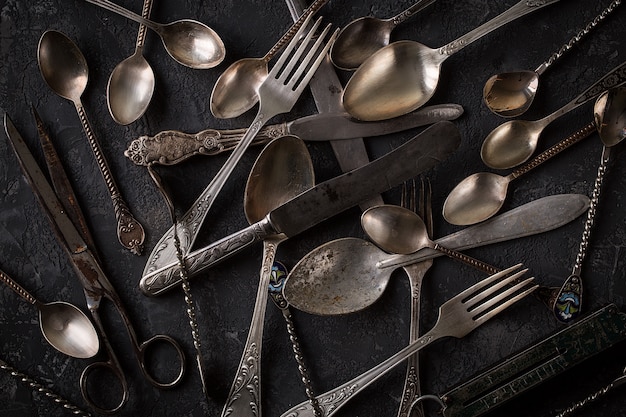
x=327, y=91
x=319, y=203
x=170, y=147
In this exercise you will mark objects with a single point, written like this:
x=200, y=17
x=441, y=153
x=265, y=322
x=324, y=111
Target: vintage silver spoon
x=513, y=142
x=191, y=43
x=235, y=91
x=282, y=171
x=510, y=94
x=64, y=325
x=610, y=116
x=131, y=83
x=402, y=76
x=481, y=195
x=358, y=40
x=64, y=69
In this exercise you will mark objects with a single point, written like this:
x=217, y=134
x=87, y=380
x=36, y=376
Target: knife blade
x=170, y=147
x=321, y=202
x=538, y=216
x=327, y=91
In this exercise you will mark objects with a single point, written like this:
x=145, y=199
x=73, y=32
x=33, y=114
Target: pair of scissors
x=71, y=230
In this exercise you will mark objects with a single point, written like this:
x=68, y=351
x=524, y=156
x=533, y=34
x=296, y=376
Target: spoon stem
x=468, y=260
x=141, y=34
x=576, y=38
x=286, y=38
x=410, y=11
x=110, y=6
x=554, y=150
x=514, y=12
x=17, y=288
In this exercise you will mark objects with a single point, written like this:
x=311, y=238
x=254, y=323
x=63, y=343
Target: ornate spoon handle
x=410, y=11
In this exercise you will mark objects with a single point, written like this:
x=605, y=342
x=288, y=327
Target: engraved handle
x=129, y=231
x=115, y=8
x=171, y=147
x=468, y=260
x=160, y=280
x=17, y=288
x=141, y=34
x=286, y=38
x=410, y=11
x=554, y=150
x=514, y=12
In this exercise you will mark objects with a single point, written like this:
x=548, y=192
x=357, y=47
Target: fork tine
x=291, y=46
x=482, y=295
x=487, y=281
x=428, y=209
x=286, y=72
x=480, y=320
x=494, y=300
x=319, y=56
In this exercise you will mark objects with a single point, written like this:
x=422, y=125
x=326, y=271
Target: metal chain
x=582, y=33
x=30, y=382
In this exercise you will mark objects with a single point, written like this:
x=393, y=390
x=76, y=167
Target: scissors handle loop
x=84, y=385
x=141, y=352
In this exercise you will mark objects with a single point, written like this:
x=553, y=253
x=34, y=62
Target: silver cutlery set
x=367, y=88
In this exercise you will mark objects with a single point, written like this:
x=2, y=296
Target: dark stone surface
x=336, y=348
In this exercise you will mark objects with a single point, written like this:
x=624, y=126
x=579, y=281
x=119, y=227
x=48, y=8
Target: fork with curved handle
x=457, y=317
x=278, y=93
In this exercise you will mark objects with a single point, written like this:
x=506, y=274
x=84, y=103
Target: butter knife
x=171, y=147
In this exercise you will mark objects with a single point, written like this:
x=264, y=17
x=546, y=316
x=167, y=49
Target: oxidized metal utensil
x=170, y=147
x=319, y=203
x=64, y=69
x=403, y=76
x=510, y=94
x=189, y=42
x=457, y=317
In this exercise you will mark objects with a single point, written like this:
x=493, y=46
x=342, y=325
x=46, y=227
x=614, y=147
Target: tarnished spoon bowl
x=395, y=229
x=130, y=89
x=511, y=143
x=235, y=91
x=510, y=94
x=62, y=65
x=476, y=198
x=609, y=114
x=68, y=329
x=359, y=40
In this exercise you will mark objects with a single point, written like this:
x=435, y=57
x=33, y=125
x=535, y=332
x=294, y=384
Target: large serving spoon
x=64, y=325
x=513, y=142
x=403, y=75
x=610, y=116
x=131, y=83
x=282, y=171
x=481, y=195
x=358, y=40
x=64, y=69
x=191, y=43
x=235, y=91
x=510, y=94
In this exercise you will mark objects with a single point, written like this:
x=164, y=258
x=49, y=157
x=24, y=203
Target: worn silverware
x=481, y=195
x=359, y=39
x=170, y=147
x=327, y=91
x=510, y=94
x=131, y=83
x=189, y=42
x=324, y=200
x=513, y=142
x=282, y=171
x=403, y=76
x=235, y=91
x=610, y=118
x=540, y=362
x=64, y=69
x=457, y=317
x=64, y=325
x=278, y=94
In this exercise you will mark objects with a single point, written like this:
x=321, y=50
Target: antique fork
x=278, y=94
x=415, y=273
x=457, y=317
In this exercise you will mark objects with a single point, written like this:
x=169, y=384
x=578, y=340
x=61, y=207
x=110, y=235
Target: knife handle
x=170, y=147
x=163, y=279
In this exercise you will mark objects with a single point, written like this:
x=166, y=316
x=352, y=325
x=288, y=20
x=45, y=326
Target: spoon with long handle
x=64, y=325
x=513, y=142
x=131, y=83
x=235, y=91
x=282, y=171
x=189, y=42
x=610, y=117
x=403, y=75
x=359, y=39
x=481, y=195
x=510, y=94
x=64, y=69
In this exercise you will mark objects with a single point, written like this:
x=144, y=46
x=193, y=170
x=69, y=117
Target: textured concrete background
x=336, y=348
